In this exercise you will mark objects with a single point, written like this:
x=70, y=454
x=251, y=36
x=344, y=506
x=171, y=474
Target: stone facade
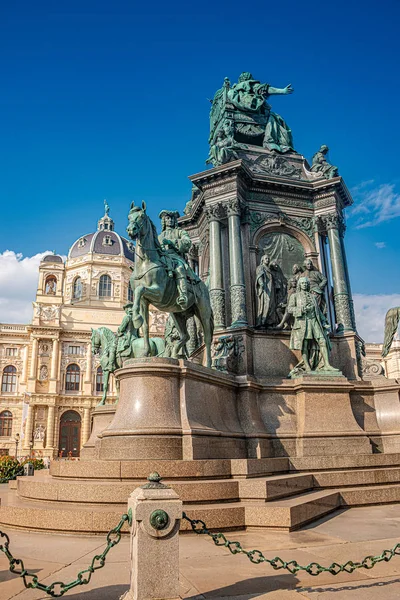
x=86, y=291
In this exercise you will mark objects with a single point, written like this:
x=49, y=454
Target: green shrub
x=10, y=467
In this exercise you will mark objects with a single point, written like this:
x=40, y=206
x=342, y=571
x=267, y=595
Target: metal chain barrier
x=314, y=568
x=58, y=588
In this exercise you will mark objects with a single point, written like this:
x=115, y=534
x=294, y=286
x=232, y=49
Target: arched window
x=99, y=380
x=5, y=423
x=105, y=286
x=72, y=378
x=9, y=380
x=130, y=293
x=51, y=285
x=77, y=292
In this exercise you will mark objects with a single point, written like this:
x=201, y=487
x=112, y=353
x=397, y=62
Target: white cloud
x=380, y=245
x=18, y=285
x=374, y=205
x=370, y=314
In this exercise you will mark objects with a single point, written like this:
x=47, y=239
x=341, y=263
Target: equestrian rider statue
x=176, y=243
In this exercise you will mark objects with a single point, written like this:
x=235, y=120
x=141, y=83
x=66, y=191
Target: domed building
x=50, y=380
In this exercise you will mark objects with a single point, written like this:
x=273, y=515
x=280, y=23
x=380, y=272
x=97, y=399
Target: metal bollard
x=156, y=515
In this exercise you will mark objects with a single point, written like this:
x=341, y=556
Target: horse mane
x=155, y=236
x=107, y=334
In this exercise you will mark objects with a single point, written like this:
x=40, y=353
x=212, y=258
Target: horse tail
x=391, y=323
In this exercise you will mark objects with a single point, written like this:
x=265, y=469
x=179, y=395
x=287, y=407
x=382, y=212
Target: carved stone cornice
x=220, y=189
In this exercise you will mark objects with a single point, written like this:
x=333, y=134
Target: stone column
x=156, y=512
x=217, y=292
x=341, y=294
x=28, y=427
x=50, y=426
x=54, y=359
x=85, y=426
x=238, y=290
x=34, y=359
x=346, y=268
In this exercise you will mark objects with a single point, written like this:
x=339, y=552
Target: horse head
x=138, y=219
x=96, y=341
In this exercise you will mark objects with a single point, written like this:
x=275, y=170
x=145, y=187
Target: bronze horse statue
x=391, y=323
x=104, y=344
x=151, y=284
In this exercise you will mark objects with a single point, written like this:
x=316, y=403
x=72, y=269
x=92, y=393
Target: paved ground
x=209, y=572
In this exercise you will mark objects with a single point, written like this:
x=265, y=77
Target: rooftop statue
x=321, y=166
x=163, y=278
x=224, y=147
x=252, y=121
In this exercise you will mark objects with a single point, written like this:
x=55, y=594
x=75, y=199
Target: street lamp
x=16, y=444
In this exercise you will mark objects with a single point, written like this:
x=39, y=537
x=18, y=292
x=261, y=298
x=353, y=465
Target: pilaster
x=85, y=426
x=50, y=427
x=28, y=427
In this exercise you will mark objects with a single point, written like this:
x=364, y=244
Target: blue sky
x=109, y=100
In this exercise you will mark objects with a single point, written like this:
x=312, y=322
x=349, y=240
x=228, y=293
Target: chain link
x=59, y=588
x=277, y=563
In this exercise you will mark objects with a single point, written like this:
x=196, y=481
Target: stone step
x=281, y=486
x=256, y=467
x=364, y=496
x=285, y=514
x=355, y=477
x=71, y=517
x=329, y=463
x=140, y=469
x=117, y=492
x=47, y=488
x=292, y=513
x=270, y=488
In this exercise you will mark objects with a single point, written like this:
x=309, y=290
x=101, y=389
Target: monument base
x=171, y=409
x=101, y=418
x=176, y=410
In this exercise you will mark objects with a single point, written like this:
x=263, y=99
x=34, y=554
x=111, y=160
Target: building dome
x=52, y=258
x=104, y=241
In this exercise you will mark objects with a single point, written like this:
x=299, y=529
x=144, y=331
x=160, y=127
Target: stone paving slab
x=208, y=572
